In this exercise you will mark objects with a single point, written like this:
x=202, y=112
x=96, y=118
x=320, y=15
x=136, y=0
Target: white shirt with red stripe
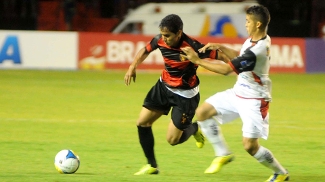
x=252, y=66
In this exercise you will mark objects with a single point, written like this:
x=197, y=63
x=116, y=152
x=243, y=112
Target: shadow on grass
x=84, y=174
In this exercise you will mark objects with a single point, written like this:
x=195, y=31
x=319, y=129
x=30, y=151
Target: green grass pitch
x=94, y=113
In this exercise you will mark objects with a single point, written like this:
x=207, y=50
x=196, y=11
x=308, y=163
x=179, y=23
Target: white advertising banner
x=38, y=50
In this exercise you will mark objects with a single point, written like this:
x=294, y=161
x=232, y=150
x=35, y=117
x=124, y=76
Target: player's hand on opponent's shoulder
x=130, y=74
x=209, y=46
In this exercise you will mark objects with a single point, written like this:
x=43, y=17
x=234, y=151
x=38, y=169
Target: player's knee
x=172, y=141
x=143, y=123
x=200, y=114
x=204, y=112
x=251, y=147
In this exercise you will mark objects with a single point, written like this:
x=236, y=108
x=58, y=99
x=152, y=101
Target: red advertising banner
x=116, y=51
x=288, y=55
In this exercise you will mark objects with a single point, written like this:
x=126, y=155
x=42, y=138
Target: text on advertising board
x=10, y=50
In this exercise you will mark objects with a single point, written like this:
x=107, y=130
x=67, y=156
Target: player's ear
x=258, y=24
x=179, y=33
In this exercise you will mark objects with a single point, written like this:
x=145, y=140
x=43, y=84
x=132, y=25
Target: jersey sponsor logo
x=267, y=51
x=244, y=85
x=184, y=118
x=9, y=51
x=245, y=64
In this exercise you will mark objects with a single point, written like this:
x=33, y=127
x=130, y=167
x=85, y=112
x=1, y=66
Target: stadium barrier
x=86, y=50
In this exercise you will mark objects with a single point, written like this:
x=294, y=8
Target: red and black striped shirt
x=177, y=73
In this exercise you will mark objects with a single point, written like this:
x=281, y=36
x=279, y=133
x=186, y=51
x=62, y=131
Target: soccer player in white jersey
x=248, y=99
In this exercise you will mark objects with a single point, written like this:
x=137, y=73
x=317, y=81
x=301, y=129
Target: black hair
x=261, y=13
x=172, y=22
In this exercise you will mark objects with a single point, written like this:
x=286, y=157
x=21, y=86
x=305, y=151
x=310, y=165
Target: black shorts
x=161, y=99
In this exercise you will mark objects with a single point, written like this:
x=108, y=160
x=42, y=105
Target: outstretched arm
x=217, y=67
x=131, y=73
x=230, y=53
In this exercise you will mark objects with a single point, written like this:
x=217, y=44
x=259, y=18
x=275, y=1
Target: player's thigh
x=224, y=104
x=255, y=120
x=147, y=117
x=157, y=99
x=173, y=133
x=205, y=111
x=183, y=110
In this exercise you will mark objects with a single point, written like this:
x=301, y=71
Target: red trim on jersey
x=148, y=48
x=180, y=65
x=257, y=79
x=175, y=81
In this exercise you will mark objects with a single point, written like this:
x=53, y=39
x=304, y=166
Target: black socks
x=147, y=143
x=188, y=132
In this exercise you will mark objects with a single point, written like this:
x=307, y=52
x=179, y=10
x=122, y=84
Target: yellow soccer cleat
x=218, y=162
x=199, y=137
x=278, y=178
x=147, y=169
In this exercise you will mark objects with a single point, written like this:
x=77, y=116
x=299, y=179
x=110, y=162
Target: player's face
x=251, y=25
x=171, y=39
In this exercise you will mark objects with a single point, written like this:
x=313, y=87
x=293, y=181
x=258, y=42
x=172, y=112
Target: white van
x=222, y=19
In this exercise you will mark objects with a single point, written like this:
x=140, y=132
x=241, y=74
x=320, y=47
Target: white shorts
x=253, y=113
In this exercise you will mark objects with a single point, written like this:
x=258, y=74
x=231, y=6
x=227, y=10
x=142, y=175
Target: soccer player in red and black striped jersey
x=176, y=89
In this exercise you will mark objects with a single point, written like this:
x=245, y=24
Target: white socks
x=213, y=133
x=265, y=157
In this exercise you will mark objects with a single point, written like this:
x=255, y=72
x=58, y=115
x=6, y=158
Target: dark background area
x=289, y=18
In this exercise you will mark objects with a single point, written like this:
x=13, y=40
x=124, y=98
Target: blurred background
x=107, y=34
x=290, y=18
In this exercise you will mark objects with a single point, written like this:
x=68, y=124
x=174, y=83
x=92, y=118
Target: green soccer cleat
x=218, y=162
x=147, y=169
x=199, y=137
x=278, y=178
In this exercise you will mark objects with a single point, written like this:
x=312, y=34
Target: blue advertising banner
x=315, y=55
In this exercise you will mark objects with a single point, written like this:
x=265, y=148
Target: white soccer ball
x=66, y=161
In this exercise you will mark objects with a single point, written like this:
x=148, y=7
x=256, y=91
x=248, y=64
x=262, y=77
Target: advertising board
x=116, y=51
x=38, y=50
